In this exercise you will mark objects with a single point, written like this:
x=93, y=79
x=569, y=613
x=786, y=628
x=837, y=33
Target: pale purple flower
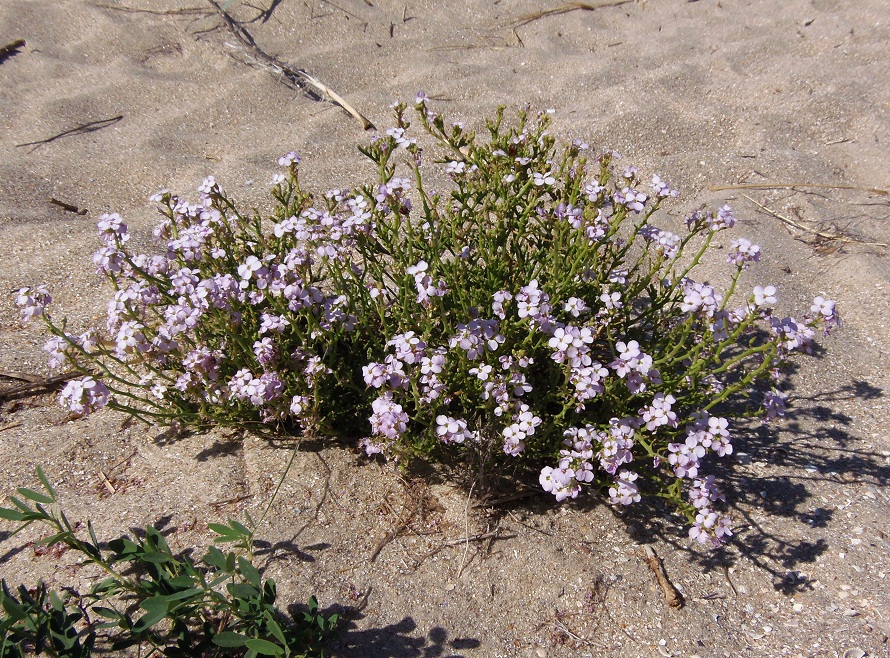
x=272, y=323
x=704, y=492
x=451, y=430
x=710, y=527
x=826, y=311
x=774, y=404
x=398, y=134
x=560, y=482
x=764, y=296
x=499, y=299
x=631, y=199
x=112, y=229
x=612, y=301
x=85, y=395
x=108, y=260
x=130, y=338
x=625, y=492
x=662, y=189
x=700, y=298
x=593, y=191
x=409, y=347
x=298, y=404
x=33, y=302
x=791, y=335
x=529, y=300
x=388, y=419
x=685, y=460
x=575, y=306
x=659, y=412
x=664, y=242
x=209, y=187
x=56, y=347
x=724, y=219
x=588, y=381
x=288, y=159
x=742, y=253
x=544, y=179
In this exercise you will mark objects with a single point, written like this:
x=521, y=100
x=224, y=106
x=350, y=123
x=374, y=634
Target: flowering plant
x=530, y=313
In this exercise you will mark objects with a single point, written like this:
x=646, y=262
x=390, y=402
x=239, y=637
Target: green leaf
x=56, y=602
x=11, y=514
x=275, y=629
x=157, y=538
x=22, y=506
x=104, y=587
x=243, y=591
x=215, y=558
x=45, y=482
x=156, y=610
x=184, y=594
x=108, y=613
x=155, y=558
x=264, y=647
x=249, y=572
x=229, y=639
x=181, y=582
x=241, y=528
x=225, y=533
x=30, y=494
x=92, y=534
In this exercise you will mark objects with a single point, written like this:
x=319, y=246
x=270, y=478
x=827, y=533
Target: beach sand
x=706, y=94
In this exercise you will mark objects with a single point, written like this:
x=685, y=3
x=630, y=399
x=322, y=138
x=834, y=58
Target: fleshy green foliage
x=530, y=313
x=151, y=598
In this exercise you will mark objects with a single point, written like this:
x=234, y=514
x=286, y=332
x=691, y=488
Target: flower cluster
x=533, y=315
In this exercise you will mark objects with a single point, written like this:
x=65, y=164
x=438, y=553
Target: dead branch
x=107, y=482
x=91, y=126
x=297, y=77
x=494, y=535
x=21, y=376
x=788, y=186
x=564, y=9
x=186, y=11
x=825, y=235
x=400, y=524
x=48, y=382
x=671, y=595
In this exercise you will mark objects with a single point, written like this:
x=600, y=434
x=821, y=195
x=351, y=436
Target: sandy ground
x=703, y=93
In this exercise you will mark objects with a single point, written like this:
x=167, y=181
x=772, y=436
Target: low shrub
x=528, y=316
x=151, y=598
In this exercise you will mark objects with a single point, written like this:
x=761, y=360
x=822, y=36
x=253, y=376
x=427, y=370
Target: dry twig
x=788, y=186
x=671, y=595
x=825, y=235
x=21, y=376
x=566, y=8
x=49, y=382
x=494, y=535
x=186, y=11
x=297, y=77
x=107, y=482
x=89, y=127
x=231, y=501
x=10, y=426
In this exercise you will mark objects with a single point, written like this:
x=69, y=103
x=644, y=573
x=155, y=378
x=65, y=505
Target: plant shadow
x=399, y=640
x=777, y=471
